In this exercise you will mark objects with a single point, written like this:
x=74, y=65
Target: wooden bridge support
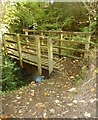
x=50, y=55
x=19, y=50
x=38, y=55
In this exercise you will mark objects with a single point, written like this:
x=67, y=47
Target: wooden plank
x=14, y=55
x=19, y=50
x=10, y=34
x=12, y=48
x=71, y=41
x=31, y=37
x=28, y=52
x=31, y=53
x=50, y=55
x=58, y=32
x=86, y=55
x=44, y=56
x=66, y=48
x=44, y=47
x=70, y=56
x=11, y=41
x=38, y=55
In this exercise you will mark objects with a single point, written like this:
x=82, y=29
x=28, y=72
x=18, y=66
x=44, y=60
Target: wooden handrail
x=60, y=32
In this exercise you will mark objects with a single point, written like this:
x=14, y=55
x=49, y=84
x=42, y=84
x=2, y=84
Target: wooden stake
x=60, y=44
x=50, y=55
x=19, y=50
x=38, y=55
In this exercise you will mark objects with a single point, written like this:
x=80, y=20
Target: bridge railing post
x=60, y=44
x=38, y=55
x=26, y=33
x=4, y=45
x=50, y=55
x=42, y=35
x=19, y=50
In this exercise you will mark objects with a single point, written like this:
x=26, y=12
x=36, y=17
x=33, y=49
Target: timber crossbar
x=40, y=50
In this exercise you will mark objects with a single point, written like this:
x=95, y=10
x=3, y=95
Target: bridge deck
x=32, y=59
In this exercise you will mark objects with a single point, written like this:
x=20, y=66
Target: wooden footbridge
x=45, y=49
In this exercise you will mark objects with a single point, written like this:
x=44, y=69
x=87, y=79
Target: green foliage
x=56, y=16
x=90, y=28
x=68, y=23
x=10, y=79
x=66, y=16
x=81, y=74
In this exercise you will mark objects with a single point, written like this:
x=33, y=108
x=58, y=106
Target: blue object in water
x=39, y=78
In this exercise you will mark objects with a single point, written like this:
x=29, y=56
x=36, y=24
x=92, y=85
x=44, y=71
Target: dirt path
x=57, y=97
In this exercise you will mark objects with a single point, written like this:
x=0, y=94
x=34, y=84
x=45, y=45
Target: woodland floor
x=57, y=97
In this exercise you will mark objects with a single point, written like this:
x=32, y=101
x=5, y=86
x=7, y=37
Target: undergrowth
x=82, y=74
x=11, y=79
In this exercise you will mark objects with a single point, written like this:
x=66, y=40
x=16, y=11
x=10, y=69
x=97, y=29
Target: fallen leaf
x=57, y=101
x=46, y=93
x=58, y=114
x=65, y=112
x=20, y=111
x=92, y=100
x=69, y=104
x=82, y=101
x=57, y=96
x=14, y=101
x=39, y=105
x=44, y=115
x=72, y=90
x=32, y=92
x=75, y=117
x=53, y=92
x=51, y=83
x=34, y=113
x=60, y=105
x=93, y=90
x=32, y=82
x=20, y=92
x=27, y=103
x=30, y=99
x=65, y=86
x=17, y=97
x=75, y=101
x=87, y=114
x=4, y=116
x=52, y=110
x=72, y=77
